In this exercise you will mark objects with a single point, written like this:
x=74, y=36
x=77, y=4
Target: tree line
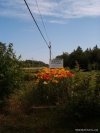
x=33, y=63
x=87, y=60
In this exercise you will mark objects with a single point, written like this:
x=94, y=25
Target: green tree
x=76, y=57
x=65, y=57
x=96, y=58
x=10, y=75
x=87, y=60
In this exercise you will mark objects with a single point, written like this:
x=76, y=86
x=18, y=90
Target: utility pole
x=49, y=46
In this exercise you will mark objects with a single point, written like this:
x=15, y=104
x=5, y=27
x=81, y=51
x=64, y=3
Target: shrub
x=84, y=101
x=10, y=72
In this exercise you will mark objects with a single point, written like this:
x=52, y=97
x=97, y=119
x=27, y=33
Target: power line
x=44, y=28
x=37, y=25
x=42, y=19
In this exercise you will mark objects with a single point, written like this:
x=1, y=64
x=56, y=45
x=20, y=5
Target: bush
x=84, y=101
x=10, y=72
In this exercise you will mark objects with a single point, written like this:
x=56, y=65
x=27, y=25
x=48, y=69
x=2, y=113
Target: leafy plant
x=84, y=101
x=10, y=72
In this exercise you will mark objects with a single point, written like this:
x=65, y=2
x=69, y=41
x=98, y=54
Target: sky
x=68, y=24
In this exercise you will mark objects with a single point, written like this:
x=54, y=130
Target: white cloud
x=54, y=9
x=57, y=21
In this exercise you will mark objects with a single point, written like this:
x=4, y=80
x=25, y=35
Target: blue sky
x=69, y=23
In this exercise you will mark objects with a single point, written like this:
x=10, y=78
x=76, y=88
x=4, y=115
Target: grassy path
x=43, y=121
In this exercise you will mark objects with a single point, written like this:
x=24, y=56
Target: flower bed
x=53, y=75
x=52, y=85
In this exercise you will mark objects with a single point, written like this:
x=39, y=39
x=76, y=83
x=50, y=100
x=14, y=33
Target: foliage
x=84, y=99
x=10, y=73
x=87, y=60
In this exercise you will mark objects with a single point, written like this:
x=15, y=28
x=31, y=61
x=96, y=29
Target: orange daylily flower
x=53, y=74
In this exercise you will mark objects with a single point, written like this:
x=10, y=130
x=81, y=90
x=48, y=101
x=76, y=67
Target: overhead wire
x=42, y=19
x=37, y=25
x=43, y=24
